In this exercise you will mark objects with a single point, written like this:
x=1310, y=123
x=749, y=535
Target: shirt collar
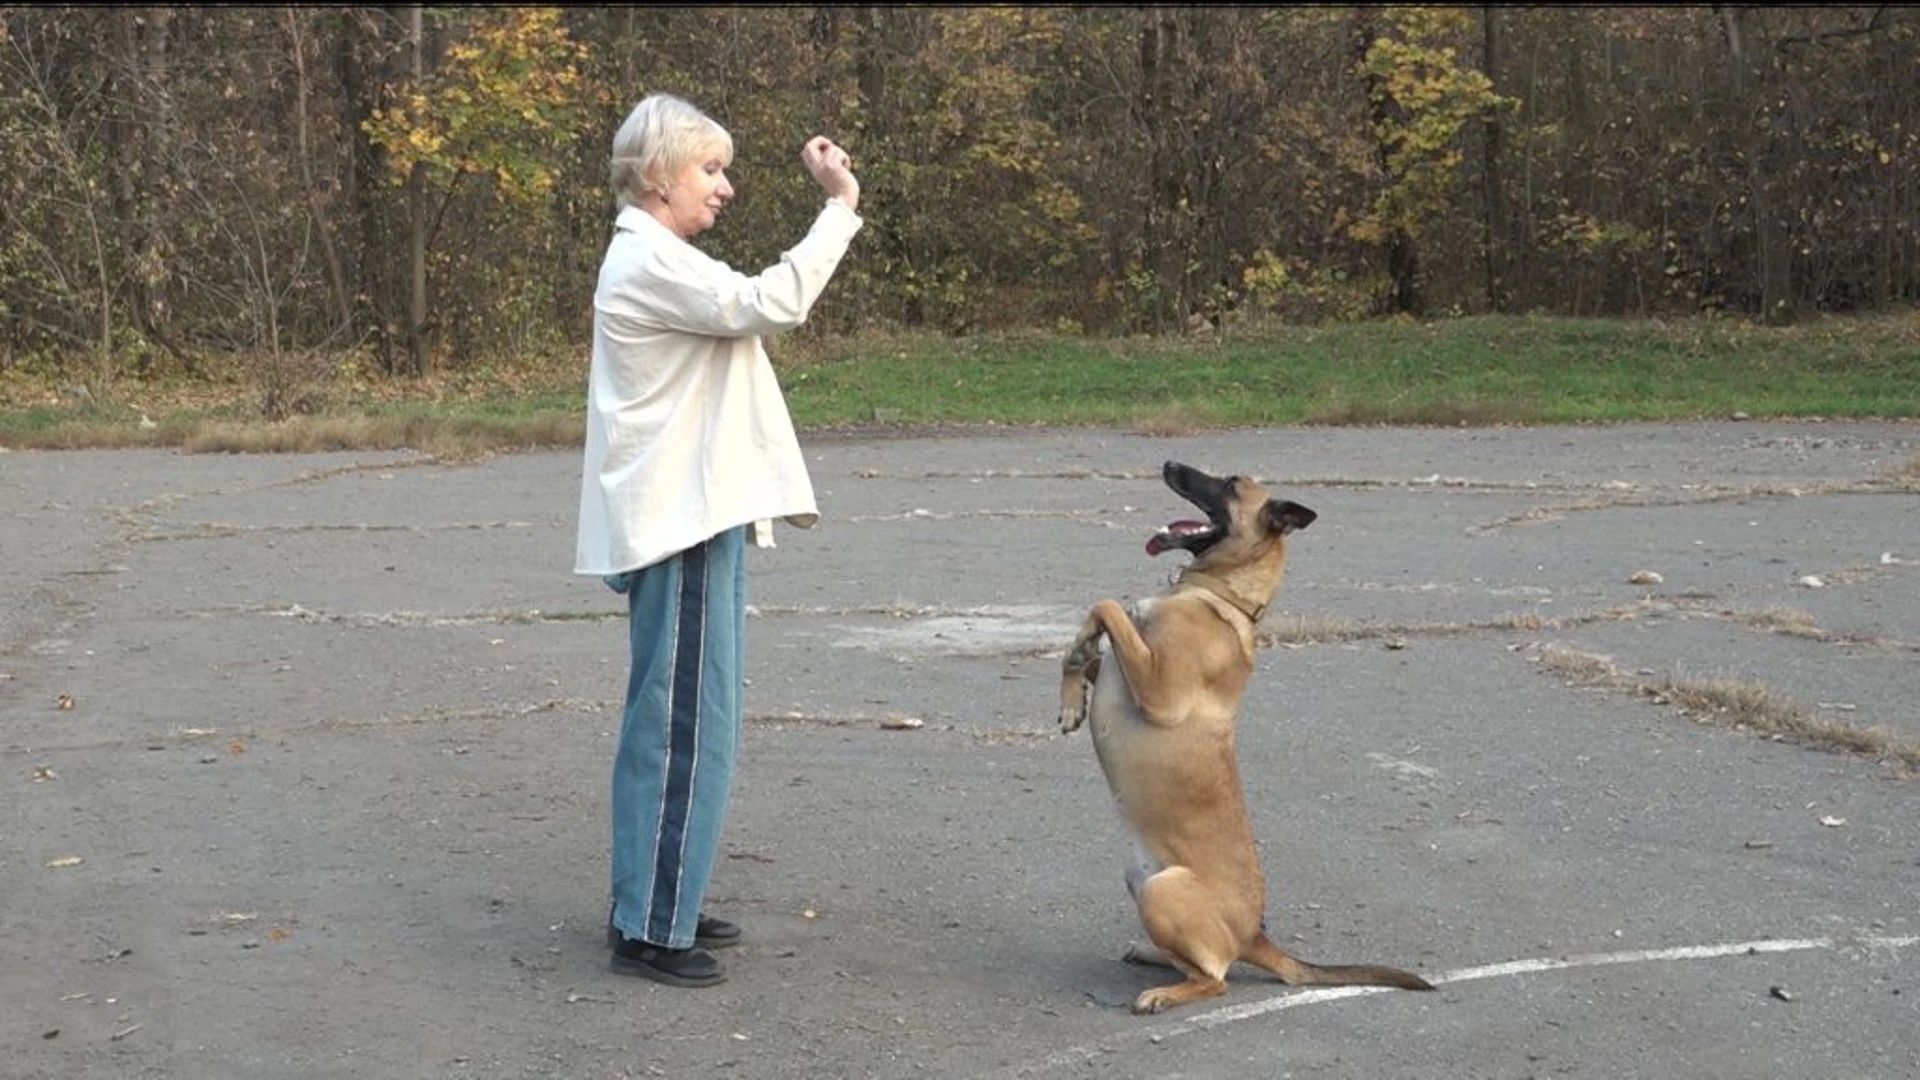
x=634, y=219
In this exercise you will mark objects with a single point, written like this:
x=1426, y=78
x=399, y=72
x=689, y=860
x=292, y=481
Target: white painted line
x=1525, y=967
x=1294, y=999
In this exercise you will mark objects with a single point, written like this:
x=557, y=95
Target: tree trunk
x=361, y=60
x=1403, y=255
x=144, y=137
x=1493, y=241
x=1772, y=269
x=1164, y=202
x=418, y=350
x=316, y=201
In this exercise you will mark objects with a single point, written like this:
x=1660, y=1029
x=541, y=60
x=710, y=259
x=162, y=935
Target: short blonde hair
x=661, y=135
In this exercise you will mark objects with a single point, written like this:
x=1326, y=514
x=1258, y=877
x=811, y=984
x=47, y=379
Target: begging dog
x=1163, y=727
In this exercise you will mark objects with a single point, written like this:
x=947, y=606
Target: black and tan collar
x=1224, y=591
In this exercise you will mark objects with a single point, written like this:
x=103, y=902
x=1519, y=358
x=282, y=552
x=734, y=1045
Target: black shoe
x=715, y=933
x=675, y=967
x=708, y=933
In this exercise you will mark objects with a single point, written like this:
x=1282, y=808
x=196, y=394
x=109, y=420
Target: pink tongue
x=1158, y=542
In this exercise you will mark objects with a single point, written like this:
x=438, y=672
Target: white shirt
x=687, y=431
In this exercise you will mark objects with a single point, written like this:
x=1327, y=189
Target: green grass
x=1475, y=371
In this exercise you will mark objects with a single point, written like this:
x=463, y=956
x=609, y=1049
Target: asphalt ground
x=303, y=765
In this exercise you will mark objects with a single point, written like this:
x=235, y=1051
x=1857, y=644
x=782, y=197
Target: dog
x=1163, y=728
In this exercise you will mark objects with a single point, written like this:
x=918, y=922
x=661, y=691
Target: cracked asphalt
x=303, y=764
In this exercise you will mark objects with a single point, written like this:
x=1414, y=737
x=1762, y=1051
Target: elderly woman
x=689, y=448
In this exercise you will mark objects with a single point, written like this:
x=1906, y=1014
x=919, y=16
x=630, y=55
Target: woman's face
x=695, y=196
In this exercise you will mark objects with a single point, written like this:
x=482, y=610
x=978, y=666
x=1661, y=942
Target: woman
x=689, y=446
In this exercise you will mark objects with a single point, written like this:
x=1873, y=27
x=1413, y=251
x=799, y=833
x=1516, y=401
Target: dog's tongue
x=1169, y=536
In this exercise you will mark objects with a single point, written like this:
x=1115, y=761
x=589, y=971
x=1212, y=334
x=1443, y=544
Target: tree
x=61, y=257
x=498, y=108
x=268, y=182
x=1420, y=98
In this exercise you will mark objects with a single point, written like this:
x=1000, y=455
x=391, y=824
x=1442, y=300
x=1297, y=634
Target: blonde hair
x=661, y=135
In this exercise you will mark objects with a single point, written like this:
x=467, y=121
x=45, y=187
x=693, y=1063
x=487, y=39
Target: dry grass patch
x=1907, y=475
x=1737, y=704
x=1365, y=412
x=460, y=438
x=1170, y=420
x=1779, y=620
x=1307, y=630
x=1326, y=629
x=1581, y=667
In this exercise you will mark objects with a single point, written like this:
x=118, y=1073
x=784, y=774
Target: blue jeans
x=686, y=621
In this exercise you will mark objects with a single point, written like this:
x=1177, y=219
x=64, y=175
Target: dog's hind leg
x=1142, y=867
x=1139, y=870
x=1177, y=914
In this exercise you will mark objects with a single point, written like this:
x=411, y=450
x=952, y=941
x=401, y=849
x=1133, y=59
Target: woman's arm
x=673, y=285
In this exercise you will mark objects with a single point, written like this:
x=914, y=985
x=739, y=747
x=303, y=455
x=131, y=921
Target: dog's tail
x=1263, y=953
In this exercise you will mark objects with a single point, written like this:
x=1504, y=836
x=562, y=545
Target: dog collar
x=1219, y=588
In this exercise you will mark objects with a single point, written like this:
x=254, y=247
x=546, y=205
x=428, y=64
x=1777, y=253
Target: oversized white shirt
x=687, y=430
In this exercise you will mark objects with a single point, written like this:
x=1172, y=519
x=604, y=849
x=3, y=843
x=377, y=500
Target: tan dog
x=1163, y=730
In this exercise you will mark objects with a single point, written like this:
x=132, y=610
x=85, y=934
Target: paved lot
x=334, y=766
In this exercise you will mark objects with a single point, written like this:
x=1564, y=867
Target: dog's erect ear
x=1284, y=517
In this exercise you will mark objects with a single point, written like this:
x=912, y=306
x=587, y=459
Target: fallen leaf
x=902, y=723
x=1811, y=581
x=64, y=702
x=1833, y=822
x=237, y=747
x=44, y=772
x=64, y=861
x=1645, y=577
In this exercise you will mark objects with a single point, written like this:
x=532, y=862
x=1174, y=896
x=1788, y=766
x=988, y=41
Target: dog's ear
x=1284, y=517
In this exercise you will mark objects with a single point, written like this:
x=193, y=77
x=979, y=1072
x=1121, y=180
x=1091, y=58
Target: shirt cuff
x=835, y=200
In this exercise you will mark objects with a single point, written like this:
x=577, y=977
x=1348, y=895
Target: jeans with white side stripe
x=686, y=621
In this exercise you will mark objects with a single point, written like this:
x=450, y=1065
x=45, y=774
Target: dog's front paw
x=1076, y=694
x=1079, y=656
x=1156, y=1000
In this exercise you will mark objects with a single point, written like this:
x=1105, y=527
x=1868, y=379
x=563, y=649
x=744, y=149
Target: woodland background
x=411, y=188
